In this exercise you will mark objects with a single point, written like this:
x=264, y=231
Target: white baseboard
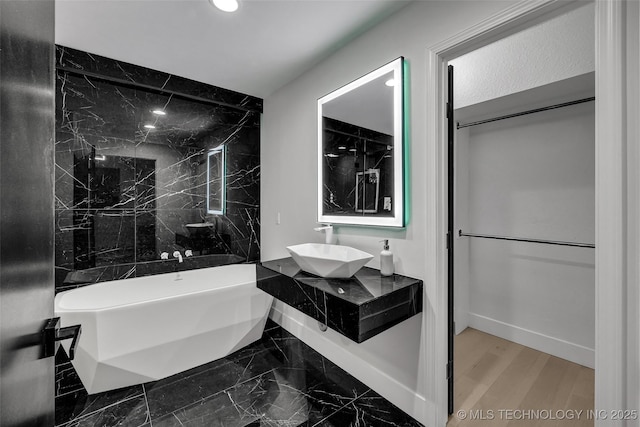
x=328, y=344
x=565, y=350
x=461, y=323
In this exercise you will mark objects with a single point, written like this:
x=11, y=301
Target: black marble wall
x=128, y=180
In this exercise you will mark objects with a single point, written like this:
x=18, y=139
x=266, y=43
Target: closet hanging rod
x=523, y=113
x=516, y=239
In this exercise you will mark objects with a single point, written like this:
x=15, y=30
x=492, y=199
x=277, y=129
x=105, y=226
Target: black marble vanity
x=358, y=308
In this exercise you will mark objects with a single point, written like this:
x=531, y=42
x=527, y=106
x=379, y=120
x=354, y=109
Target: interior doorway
x=521, y=217
x=616, y=189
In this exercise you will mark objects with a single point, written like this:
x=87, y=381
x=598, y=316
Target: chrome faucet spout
x=178, y=255
x=329, y=237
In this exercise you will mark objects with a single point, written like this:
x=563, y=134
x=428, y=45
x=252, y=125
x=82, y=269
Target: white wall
x=534, y=176
x=392, y=363
x=556, y=49
x=461, y=246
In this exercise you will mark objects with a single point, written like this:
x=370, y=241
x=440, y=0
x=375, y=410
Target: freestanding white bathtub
x=148, y=328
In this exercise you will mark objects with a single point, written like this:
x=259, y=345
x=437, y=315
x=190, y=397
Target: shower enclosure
x=147, y=163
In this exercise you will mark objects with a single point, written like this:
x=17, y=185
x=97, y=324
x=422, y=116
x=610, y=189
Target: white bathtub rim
x=59, y=298
x=60, y=308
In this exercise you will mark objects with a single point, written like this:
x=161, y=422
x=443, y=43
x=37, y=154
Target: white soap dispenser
x=386, y=260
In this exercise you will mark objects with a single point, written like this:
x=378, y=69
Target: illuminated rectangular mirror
x=216, y=171
x=361, y=151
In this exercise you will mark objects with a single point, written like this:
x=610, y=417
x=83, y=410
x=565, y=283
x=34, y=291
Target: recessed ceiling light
x=390, y=82
x=342, y=147
x=225, y=5
x=159, y=112
x=149, y=126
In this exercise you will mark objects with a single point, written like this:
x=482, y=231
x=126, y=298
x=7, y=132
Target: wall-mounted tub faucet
x=178, y=255
x=329, y=237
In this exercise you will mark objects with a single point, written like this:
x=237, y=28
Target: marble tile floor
x=276, y=381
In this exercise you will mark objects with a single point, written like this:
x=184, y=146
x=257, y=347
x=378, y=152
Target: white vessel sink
x=324, y=260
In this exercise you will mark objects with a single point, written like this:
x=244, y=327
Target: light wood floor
x=501, y=383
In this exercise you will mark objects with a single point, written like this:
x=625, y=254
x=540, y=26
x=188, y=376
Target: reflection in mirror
x=367, y=191
x=360, y=151
x=216, y=170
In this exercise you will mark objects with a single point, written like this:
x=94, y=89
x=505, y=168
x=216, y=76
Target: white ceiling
x=256, y=50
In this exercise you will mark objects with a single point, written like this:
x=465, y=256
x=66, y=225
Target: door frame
x=451, y=180
x=612, y=253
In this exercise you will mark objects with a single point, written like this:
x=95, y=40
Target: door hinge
x=448, y=110
x=448, y=240
x=449, y=370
